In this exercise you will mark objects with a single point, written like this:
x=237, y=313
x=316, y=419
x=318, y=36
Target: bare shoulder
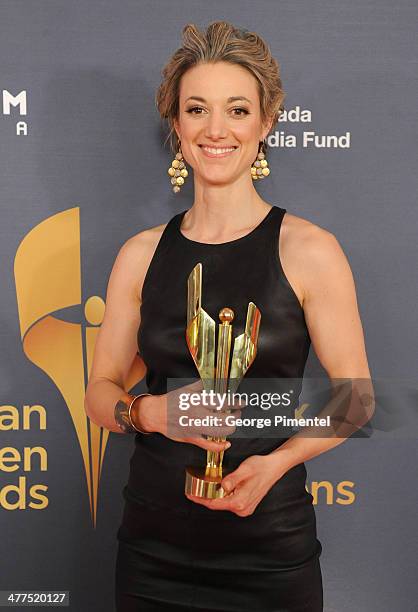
x=136, y=254
x=315, y=240
x=146, y=239
x=310, y=253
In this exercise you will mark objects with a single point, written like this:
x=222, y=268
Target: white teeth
x=218, y=151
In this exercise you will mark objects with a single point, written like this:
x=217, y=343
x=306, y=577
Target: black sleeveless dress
x=174, y=554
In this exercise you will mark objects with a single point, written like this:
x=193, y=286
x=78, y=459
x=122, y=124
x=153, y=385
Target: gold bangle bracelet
x=129, y=414
x=122, y=413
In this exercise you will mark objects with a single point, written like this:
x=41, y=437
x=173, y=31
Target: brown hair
x=221, y=42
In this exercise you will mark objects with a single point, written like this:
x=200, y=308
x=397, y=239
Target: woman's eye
x=244, y=110
x=191, y=110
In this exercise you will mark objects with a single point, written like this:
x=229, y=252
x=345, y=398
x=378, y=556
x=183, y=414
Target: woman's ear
x=176, y=127
x=266, y=128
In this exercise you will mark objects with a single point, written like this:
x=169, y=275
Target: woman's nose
x=215, y=126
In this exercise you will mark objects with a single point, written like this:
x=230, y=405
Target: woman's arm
x=116, y=367
x=315, y=263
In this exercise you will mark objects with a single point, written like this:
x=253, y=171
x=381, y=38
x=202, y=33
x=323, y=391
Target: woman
x=256, y=548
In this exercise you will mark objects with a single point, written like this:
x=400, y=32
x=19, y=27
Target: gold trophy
x=200, y=336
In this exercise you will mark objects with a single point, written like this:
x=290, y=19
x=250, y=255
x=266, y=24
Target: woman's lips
x=217, y=155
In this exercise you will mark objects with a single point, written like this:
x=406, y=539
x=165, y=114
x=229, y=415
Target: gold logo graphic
x=48, y=279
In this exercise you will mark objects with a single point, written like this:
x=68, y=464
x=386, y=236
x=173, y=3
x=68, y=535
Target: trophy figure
x=200, y=336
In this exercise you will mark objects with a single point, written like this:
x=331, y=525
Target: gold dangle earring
x=178, y=171
x=260, y=169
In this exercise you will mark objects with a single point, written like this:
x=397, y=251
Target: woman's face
x=219, y=108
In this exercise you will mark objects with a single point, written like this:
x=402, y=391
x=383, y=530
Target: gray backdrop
x=93, y=143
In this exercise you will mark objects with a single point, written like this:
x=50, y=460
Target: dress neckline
x=218, y=244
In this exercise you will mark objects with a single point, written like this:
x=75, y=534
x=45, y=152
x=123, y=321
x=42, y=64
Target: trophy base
x=200, y=484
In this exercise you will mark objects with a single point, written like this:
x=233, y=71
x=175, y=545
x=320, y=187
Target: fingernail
x=228, y=444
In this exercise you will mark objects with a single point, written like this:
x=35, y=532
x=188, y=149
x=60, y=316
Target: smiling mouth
x=217, y=151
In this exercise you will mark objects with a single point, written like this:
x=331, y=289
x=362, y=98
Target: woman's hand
x=161, y=413
x=246, y=486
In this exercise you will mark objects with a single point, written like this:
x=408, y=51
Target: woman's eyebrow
x=231, y=99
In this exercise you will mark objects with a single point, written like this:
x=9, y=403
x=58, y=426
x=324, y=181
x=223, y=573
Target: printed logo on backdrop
x=309, y=139
x=18, y=101
x=48, y=279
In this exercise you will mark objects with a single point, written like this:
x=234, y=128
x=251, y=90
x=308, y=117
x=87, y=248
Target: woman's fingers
x=209, y=444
